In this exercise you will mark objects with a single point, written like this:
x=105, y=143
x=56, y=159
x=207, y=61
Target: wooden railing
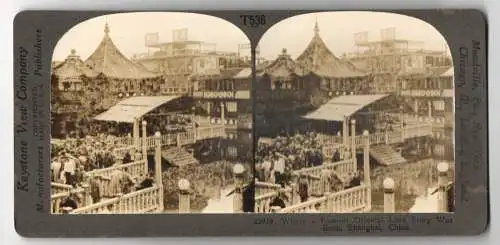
x=142, y=201
x=342, y=168
x=262, y=188
x=136, y=168
x=56, y=199
x=121, y=141
x=262, y=202
x=389, y=137
x=210, y=132
x=183, y=138
x=325, y=139
x=266, y=192
x=120, y=151
x=436, y=121
x=56, y=188
x=329, y=150
x=346, y=201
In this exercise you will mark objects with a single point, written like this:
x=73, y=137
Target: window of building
x=232, y=151
x=439, y=150
x=231, y=107
x=439, y=105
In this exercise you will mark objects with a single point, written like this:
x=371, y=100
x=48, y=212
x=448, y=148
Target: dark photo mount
x=35, y=37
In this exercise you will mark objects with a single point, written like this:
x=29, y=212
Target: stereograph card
x=226, y=123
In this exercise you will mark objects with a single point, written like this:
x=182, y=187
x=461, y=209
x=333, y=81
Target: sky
x=337, y=31
x=128, y=32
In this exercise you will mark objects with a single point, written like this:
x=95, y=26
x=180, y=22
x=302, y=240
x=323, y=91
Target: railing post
x=328, y=208
x=87, y=198
x=238, y=171
x=353, y=143
x=136, y=133
x=209, y=112
x=429, y=108
x=345, y=131
x=222, y=113
x=442, y=183
x=389, y=204
x=184, y=198
x=144, y=146
x=178, y=139
x=295, y=193
x=366, y=167
x=386, y=137
x=158, y=173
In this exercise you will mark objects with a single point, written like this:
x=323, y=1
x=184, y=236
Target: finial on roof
x=283, y=51
x=73, y=51
x=106, y=27
x=316, y=27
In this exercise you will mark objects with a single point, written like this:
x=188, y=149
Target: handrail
x=128, y=203
x=349, y=200
x=58, y=187
x=134, y=168
x=317, y=169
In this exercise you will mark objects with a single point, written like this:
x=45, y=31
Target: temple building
x=82, y=89
x=336, y=75
x=291, y=88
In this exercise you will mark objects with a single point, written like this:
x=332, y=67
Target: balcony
x=241, y=94
x=447, y=93
x=183, y=52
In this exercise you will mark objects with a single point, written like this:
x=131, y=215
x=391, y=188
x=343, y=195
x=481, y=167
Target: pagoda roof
x=284, y=67
x=109, y=61
x=318, y=59
x=71, y=68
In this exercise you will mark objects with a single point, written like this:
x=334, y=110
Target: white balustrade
x=262, y=188
x=342, y=168
x=121, y=151
x=134, y=169
x=56, y=199
x=137, y=202
x=56, y=188
x=262, y=202
x=346, y=201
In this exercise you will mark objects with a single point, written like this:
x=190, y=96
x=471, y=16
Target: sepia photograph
x=354, y=114
x=151, y=113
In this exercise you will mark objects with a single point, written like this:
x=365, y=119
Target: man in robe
x=69, y=170
x=55, y=167
x=303, y=188
x=325, y=181
x=336, y=156
x=279, y=170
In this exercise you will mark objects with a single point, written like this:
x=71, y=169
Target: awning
x=343, y=106
x=448, y=73
x=135, y=107
x=247, y=73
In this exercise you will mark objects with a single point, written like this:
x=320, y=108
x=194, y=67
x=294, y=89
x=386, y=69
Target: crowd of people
x=74, y=156
x=276, y=160
x=175, y=123
x=120, y=183
x=74, y=159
